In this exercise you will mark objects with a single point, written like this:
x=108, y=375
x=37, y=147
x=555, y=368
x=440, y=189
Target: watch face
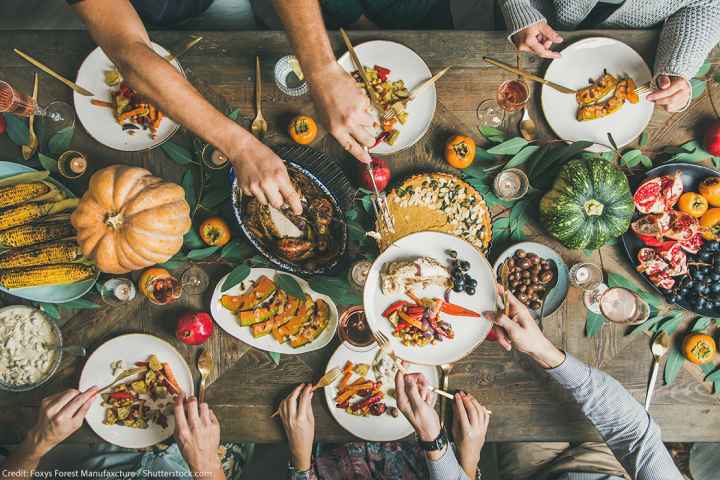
x=437, y=444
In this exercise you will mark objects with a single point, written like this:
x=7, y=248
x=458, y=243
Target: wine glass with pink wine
x=58, y=114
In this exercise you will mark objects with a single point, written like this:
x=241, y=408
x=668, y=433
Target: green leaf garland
x=60, y=142
x=289, y=285
x=673, y=365
x=177, y=154
x=593, y=323
x=17, y=129
x=201, y=253
x=237, y=275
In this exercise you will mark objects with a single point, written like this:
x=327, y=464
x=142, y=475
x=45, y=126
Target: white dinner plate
x=383, y=428
x=469, y=331
x=99, y=122
x=405, y=65
x=587, y=59
x=131, y=348
x=228, y=322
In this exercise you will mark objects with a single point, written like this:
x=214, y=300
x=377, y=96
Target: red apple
x=712, y=139
x=3, y=124
x=380, y=171
x=194, y=328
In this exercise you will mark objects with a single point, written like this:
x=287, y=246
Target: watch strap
x=438, y=444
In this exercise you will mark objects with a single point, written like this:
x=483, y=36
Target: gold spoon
x=205, y=366
x=527, y=127
x=259, y=125
x=29, y=149
x=660, y=346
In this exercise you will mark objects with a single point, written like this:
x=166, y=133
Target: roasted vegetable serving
x=266, y=309
x=387, y=92
x=592, y=100
x=145, y=399
x=360, y=396
x=61, y=251
x=134, y=112
x=46, y=275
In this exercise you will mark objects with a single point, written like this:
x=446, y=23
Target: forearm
x=306, y=30
x=520, y=14
x=23, y=461
x=629, y=431
x=444, y=465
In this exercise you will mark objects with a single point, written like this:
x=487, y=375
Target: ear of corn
x=63, y=251
x=25, y=235
x=24, y=192
x=24, y=214
x=26, y=177
x=45, y=275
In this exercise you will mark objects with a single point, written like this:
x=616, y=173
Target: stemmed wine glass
x=511, y=96
x=59, y=114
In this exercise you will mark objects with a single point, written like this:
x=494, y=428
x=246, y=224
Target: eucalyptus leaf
x=537, y=159
x=509, y=147
x=17, y=129
x=192, y=240
x=673, y=365
x=215, y=197
x=237, y=275
x=701, y=324
x=631, y=157
x=177, y=154
x=60, y=142
x=645, y=161
x=521, y=157
x=188, y=184
x=275, y=357
x=79, y=304
x=671, y=325
x=492, y=134
x=50, y=310
x=201, y=253
x=704, y=69
x=649, y=323
x=644, y=138
x=48, y=163
x=237, y=250
x=175, y=262
x=698, y=87
x=617, y=280
x=482, y=155
x=234, y=114
x=335, y=287
x=351, y=214
x=289, y=285
x=593, y=323
x=713, y=377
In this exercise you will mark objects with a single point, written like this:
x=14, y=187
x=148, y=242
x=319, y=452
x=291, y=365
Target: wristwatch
x=438, y=444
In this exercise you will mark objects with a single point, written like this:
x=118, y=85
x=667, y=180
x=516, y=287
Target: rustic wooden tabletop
x=248, y=385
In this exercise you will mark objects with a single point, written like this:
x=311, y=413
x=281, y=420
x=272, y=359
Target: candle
x=511, y=184
x=78, y=165
x=218, y=158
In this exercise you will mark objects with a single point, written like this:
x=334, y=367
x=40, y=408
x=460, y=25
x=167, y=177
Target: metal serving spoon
x=660, y=346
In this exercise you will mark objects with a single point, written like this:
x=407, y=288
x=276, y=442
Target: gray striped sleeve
x=519, y=14
x=627, y=428
x=446, y=467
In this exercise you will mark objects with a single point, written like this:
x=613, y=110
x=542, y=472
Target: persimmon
x=710, y=222
x=699, y=348
x=159, y=286
x=710, y=189
x=693, y=203
x=214, y=232
x=460, y=151
x=303, y=129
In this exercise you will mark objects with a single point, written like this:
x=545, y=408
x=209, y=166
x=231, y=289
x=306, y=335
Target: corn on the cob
x=24, y=192
x=45, y=275
x=25, y=235
x=62, y=251
x=24, y=214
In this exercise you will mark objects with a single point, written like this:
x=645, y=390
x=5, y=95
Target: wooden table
x=526, y=405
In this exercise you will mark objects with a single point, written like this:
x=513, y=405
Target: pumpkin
x=699, y=348
x=588, y=205
x=460, y=151
x=303, y=129
x=129, y=219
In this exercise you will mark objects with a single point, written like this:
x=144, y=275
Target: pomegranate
x=712, y=138
x=381, y=172
x=659, y=194
x=194, y=328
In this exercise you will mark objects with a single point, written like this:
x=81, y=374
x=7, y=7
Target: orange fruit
x=710, y=189
x=693, y=203
x=460, y=151
x=303, y=129
x=699, y=348
x=214, y=232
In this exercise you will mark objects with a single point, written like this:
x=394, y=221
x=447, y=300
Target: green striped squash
x=589, y=204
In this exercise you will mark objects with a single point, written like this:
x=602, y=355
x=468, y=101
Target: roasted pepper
x=382, y=72
x=395, y=306
x=452, y=309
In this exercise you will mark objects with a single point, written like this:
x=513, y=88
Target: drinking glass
x=589, y=278
x=623, y=306
x=59, y=114
x=511, y=95
x=194, y=280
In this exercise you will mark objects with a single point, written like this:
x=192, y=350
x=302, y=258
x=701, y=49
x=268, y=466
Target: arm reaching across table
x=116, y=27
x=627, y=428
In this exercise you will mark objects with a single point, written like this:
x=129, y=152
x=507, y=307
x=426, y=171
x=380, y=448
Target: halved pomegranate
x=683, y=226
x=658, y=194
x=692, y=244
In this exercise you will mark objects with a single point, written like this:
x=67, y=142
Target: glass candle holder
x=511, y=184
x=213, y=158
x=287, y=79
x=72, y=164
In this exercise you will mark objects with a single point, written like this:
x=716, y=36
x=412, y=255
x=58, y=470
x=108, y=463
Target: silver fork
x=384, y=342
x=644, y=88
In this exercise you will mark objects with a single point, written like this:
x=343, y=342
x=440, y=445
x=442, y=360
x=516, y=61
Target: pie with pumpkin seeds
x=438, y=202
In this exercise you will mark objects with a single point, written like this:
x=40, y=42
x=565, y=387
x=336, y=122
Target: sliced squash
x=296, y=321
x=261, y=291
x=263, y=328
x=312, y=329
x=251, y=317
x=289, y=311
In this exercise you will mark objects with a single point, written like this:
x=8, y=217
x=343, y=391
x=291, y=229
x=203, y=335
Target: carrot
x=348, y=366
x=171, y=377
x=131, y=113
x=101, y=103
x=344, y=381
x=158, y=119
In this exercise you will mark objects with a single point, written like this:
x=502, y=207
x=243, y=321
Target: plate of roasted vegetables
x=276, y=312
x=142, y=376
x=605, y=73
x=426, y=292
x=119, y=117
x=393, y=71
x=39, y=257
x=362, y=398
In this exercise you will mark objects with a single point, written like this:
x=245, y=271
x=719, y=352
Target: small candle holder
x=358, y=273
x=72, y=164
x=213, y=158
x=117, y=291
x=287, y=79
x=511, y=184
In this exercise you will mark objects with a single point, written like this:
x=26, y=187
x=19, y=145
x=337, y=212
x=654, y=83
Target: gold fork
x=384, y=342
x=398, y=107
x=644, y=88
x=205, y=366
x=324, y=381
x=259, y=125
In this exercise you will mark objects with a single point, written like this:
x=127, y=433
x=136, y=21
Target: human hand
x=197, y=432
x=673, y=93
x=262, y=174
x=537, y=38
x=60, y=416
x=343, y=108
x=417, y=402
x=299, y=423
x=522, y=330
x=470, y=423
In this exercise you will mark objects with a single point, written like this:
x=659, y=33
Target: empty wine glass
x=194, y=280
x=59, y=114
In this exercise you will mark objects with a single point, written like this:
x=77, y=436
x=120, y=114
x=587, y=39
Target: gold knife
x=530, y=76
x=174, y=56
x=54, y=74
x=326, y=380
x=361, y=71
